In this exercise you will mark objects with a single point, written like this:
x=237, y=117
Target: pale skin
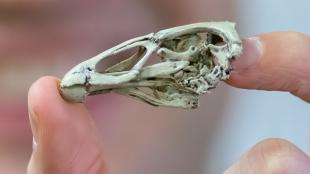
x=277, y=61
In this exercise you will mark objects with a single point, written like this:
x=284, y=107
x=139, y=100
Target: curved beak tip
x=72, y=88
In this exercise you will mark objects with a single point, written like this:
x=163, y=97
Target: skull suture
x=193, y=59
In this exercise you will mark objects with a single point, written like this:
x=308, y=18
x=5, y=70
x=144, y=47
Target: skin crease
x=273, y=61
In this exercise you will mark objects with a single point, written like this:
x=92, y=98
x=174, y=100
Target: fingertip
x=272, y=156
x=36, y=101
x=47, y=108
x=45, y=91
x=44, y=94
x=275, y=61
x=42, y=89
x=246, y=65
x=252, y=51
x=64, y=132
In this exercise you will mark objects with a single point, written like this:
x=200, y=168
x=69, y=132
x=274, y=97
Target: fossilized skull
x=192, y=59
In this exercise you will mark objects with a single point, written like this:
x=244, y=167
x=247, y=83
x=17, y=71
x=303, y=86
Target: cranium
x=192, y=60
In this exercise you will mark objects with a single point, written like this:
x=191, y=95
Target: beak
x=72, y=86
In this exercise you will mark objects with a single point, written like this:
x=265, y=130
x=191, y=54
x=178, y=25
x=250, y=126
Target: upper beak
x=72, y=86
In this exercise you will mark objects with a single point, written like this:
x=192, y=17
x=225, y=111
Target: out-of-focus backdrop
x=49, y=37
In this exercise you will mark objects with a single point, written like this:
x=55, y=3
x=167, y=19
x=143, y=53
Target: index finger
x=278, y=61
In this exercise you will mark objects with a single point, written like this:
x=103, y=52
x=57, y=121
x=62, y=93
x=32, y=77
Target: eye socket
x=121, y=61
x=215, y=39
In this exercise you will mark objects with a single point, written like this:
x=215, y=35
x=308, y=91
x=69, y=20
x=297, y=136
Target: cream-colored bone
x=192, y=60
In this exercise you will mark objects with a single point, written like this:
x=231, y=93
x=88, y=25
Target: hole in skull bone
x=152, y=60
x=215, y=39
x=121, y=61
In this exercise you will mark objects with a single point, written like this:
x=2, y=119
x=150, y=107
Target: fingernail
x=34, y=126
x=252, y=51
x=34, y=144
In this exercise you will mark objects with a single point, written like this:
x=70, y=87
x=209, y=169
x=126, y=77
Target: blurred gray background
x=49, y=37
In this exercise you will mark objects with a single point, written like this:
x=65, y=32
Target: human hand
x=277, y=62
x=65, y=137
x=62, y=145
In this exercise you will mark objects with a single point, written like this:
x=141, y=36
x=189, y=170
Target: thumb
x=278, y=61
x=65, y=136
